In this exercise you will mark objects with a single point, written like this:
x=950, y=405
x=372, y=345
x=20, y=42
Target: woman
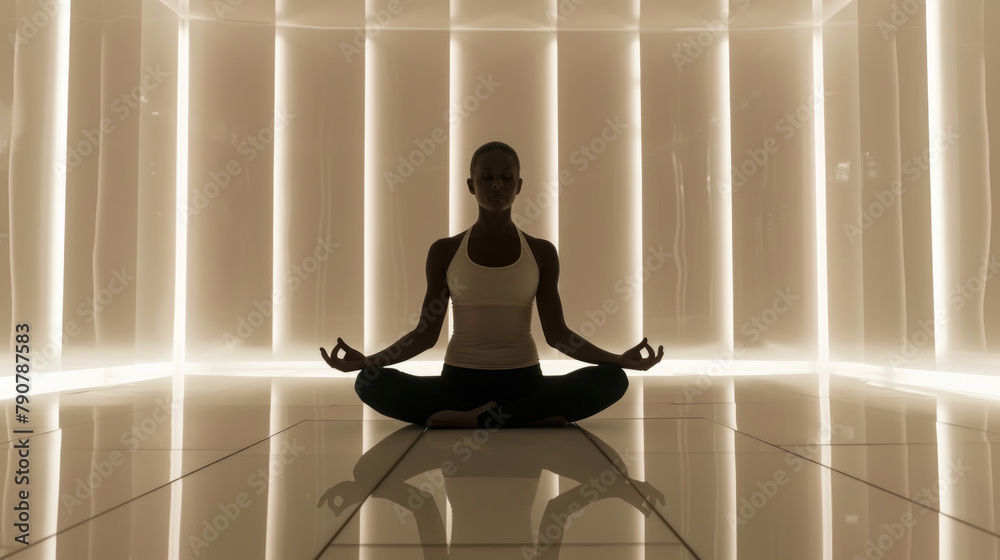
x=491, y=376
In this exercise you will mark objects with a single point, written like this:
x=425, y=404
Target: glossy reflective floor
x=288, y=467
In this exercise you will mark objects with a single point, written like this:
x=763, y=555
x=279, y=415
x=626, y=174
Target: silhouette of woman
x=491, y=376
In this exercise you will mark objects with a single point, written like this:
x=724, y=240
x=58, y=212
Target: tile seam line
x=150, y=491
x=652, y=507
x=887, y=491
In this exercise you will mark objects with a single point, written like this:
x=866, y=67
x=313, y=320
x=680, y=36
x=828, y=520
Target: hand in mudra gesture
x=632, y=358
x=353, y=360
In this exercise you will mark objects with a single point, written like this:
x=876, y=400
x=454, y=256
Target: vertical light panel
x=552, y=110
x=231, y=171
x=939, y=203
x=455, y=151
x=319, y=182
x=279, y=305
x=880, y=217
x=181, y=230
x=369, y=204
x=407, y=131
x=180, y=283
x=774, y=228
x=686, y=276
x=842, y=141
x=819, y=158
x=723, y=106
x=601, y=274
x=58, y=187
x=454, y=155
x=635, y=190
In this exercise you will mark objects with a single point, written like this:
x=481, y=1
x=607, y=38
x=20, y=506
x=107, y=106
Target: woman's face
x=495, y=181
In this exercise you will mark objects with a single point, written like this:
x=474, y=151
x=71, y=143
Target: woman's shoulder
x=445, y=248
x=542, y=249
x=538, y=243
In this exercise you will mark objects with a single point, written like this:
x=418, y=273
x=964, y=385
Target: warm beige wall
x=673, y=142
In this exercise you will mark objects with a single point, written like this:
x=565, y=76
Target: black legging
x=523, y=395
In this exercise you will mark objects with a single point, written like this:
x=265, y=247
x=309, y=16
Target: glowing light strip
x=180, y=234
x=935, y=122
x=822, y=296
x=635, y=107
x=724, y=156
x=60, y=124
x=368, y=438
x=174, y=543
x=635, y=65
x=370, y=174
x=553, y=110
x=454, y=155
x=280, y=316
x=822, y=286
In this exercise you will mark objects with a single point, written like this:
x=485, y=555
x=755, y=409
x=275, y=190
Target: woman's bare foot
x=458, y=418
x=552, y=421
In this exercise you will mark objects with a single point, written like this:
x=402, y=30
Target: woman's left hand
x=651, y=496
x=632, y=358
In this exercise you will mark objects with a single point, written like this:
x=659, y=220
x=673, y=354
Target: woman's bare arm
x=561, y=337
x=423, y=337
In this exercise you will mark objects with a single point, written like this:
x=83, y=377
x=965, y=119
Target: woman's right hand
x=353, y=360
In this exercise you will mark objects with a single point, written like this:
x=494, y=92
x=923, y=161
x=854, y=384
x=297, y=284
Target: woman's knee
x=616, y=379
x=365, y=380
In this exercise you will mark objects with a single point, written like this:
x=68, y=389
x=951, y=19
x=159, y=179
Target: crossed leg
x=492, y=398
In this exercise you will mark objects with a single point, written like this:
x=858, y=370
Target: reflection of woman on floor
x=491, y=488
x=491, y=375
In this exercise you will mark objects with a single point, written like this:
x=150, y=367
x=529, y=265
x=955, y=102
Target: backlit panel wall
x=969, y=217
x=686, y=212
x=669, y=150
x=407, y=190
x=843, y=196
x=319, y=195
x=157, y=185
x=773, y=106
x=598, y=244
x=102, y=176
x=36, y=176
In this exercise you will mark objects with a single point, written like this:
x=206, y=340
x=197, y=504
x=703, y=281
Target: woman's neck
x=494, y=223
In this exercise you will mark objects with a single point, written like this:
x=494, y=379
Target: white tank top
x=491, y=307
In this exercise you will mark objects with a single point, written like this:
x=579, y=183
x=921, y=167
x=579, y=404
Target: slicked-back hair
x=489, y=147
